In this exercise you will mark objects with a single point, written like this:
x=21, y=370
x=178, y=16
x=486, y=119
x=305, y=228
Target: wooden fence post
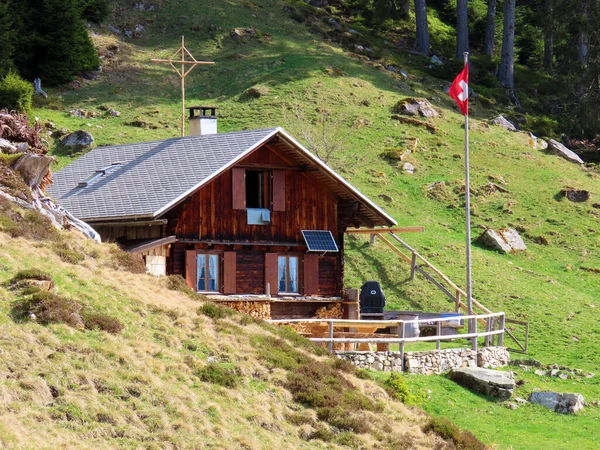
x=439, y=334
x=488, y=328
x=402, y=347
x=331, y=336
x=474, y=338
x=502, y=326
x=413, y=266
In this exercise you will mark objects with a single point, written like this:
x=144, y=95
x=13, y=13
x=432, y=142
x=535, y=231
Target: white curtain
x=213, y=273
x=281, y=270
x=201, y=273
x=293, y=274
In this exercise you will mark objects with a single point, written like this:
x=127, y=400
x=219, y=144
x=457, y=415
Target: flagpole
x=468, y=221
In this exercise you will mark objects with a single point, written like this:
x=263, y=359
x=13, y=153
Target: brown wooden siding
x=209, y=215
x=250, y=272
x=328, y=276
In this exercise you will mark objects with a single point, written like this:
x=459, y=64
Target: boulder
x=559, y=149
x=436, y=61
x=576, y=195
x=494, y=383
x=506, y=240
x=77, y=141
x=504, y=123
x=7, y=147
x=415, y=107
x=560, y=403
x=33, y=168
x=408, y=168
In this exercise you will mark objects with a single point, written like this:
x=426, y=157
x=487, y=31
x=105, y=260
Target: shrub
x=50, y=308
x=397, y=388
x=178, y=283
x=129, y=262
x=297, y=340
x=450, y=432
x=69, y=256
x=343, y=365
x=30, y=274
x=322, y=433
x=99, y=321
x=215, y=311
x=218, y=374
x=15, y=93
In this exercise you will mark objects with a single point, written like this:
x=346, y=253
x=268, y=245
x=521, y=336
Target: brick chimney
x=202, y=120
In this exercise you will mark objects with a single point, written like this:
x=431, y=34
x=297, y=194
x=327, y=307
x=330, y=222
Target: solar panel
x=319, y=241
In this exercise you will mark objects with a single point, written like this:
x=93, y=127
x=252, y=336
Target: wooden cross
x=183, y=72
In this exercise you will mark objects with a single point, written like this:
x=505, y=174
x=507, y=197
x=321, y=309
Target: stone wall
x=428, y=362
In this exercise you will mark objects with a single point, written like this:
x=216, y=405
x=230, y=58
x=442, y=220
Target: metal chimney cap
x=204, y=111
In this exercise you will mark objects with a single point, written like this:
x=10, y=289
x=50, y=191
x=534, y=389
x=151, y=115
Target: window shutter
x=191, y=272
x=229, y=272
x=271, y=272
x=238, y=188
x=311, y=274
x=279, y=190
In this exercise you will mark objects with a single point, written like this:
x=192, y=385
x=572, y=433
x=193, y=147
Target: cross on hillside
x=183, y=72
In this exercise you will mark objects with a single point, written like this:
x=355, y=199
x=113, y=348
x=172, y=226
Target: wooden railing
x=418, y=264
x=494, y=327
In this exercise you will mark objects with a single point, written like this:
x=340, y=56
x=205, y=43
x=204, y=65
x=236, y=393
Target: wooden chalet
x=244, y=216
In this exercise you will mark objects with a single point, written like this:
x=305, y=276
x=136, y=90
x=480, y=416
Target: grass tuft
x=215, y=311
x=215, y=373
x=100, y=321
x=448, y=431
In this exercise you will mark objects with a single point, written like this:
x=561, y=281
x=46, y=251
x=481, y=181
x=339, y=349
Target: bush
x=450, y=432
x=50, y=308
x=215, y=311
x=178, y=283
x=15, y=93
x=69, y=256
x=129, y=262
x=99, y=321
x=218, y=374
x=397, y=388
x=30, y=274
x=276, y=353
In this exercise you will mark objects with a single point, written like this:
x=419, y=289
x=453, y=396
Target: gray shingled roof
x=152, y=175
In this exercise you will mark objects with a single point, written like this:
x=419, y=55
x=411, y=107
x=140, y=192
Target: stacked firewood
x=331, y=311
x=258, y=310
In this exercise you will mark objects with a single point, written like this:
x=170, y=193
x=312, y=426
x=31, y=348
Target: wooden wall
x=214, y=220
x=209, y=214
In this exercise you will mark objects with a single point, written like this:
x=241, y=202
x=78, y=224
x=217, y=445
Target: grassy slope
x=142, y=388
x=544, y=285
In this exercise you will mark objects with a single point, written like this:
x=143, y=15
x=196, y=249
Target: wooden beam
x=395, y=249
x=385, y=230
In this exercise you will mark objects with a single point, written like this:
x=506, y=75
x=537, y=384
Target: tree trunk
x=490, y=29
x=462, y=29
x=405, y=8
x=583, y=38
x=549, y=35
x=506, y=74
x=422, y=42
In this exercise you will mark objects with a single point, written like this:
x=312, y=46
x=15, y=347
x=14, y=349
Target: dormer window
x=259, y=192
x=257, y=189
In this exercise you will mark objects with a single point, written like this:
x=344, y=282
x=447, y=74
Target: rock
x=504, y=123
x=408, y=168
x=494, y=383
x=78, y=140
x=333, y=23
x=128, y=33
x=520, y=400
x=236, y=34
x=559, y=149
x=540, y=373
x=114, y=112
x=414, y=107
x=386, y=198
x=33, y=168
x=114, y=29
x=506, y=240
x=560, y=403
x=512, y=406
x=7, y=147
x=437, y=61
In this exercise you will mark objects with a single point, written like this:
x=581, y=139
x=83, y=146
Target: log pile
x=258, y=310
x=331, y=311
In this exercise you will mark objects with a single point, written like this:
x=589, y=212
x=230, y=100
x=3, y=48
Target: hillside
x=308, y=76
x=179, y=375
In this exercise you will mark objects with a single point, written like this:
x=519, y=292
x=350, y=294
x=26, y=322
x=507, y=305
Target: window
x=257, y=189
x=208, y=272
x=287, y=274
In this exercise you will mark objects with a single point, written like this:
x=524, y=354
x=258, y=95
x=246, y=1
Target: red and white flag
x=459, y=90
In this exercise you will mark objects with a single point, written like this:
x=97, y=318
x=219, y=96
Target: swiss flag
x=459, y=90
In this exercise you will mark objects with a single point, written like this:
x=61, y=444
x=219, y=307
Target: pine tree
x=507, y=62
x=422, y=41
